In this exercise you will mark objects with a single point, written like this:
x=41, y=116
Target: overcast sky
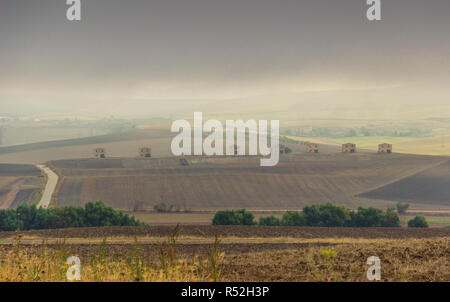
x=135, y=56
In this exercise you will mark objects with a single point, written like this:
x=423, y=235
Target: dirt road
x=52, y=180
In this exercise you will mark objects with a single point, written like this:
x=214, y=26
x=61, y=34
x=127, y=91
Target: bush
x=269, y=220
x=372, y=217
x=29, y=217
x=9, y=220
x=391, y=219
x=293, y=218
x=163, y=208
x=418, y=222
x=246, y=217
x=233, y=217
x=327, y=215
x=402, y=207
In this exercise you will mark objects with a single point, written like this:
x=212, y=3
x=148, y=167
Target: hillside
x=234, y=182
x=19, y=183
x=123, y=144
x=117, y=144
x=431, y=185
x=437, y=145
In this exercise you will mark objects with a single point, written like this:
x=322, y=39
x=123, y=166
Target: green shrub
x=269, y=220
x=391, y=219
x=233, y=217
x=418, y=222
x=326, y=215
x=29, y=217
x=246, y=217
x=226, y=217
x=293, y=218
x=402, y=207
x=9, y=221
x=372, y=217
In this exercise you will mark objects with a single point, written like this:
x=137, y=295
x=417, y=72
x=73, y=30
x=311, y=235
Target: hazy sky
x=155, y=57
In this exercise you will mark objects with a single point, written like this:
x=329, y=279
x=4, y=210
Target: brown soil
x=19, y=184
x=237, y=231
x=217, y=183
x=431, y=185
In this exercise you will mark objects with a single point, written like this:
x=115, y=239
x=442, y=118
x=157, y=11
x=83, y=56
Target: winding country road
x=52, y=180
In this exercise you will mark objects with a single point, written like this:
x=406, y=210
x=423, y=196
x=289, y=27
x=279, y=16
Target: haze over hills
x=117, y=144
x=319, y=67
x=122, y=144
x=315, y=58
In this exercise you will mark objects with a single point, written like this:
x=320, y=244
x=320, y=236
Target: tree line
x=93, y=214
x=324, y=215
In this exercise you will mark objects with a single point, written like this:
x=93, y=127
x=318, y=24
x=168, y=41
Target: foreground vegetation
x=49, y=264
x=325, y=215
x=230, y=258
x=413, y=260
x=29, y=217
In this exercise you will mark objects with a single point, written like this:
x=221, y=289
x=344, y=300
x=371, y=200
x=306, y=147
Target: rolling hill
x=123, y=144
x=430, y=186
x=234, y=182
x=18, y=184
x=117, y=144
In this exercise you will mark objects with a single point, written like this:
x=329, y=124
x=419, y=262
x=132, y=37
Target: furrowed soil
x=19, y=184
x=211, y=183
x=431, y=185
x=209, y=231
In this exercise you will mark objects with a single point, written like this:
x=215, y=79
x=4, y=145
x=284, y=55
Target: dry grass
x=190, y=258
x=18, y=264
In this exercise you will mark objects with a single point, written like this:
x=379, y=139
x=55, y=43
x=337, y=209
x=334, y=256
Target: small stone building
x=348, y=148
x=384, y=148
x=145, y=152
x=312, y=148
x=100, y=153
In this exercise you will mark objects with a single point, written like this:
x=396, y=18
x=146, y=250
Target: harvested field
x=122, y=144
x=117, y=144
x=18, y=170
x=18, y=184
x=431, y=186
x=210, y=183
x=109, y=138
x=209, y=231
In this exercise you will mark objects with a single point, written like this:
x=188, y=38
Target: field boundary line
x=357, y=195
